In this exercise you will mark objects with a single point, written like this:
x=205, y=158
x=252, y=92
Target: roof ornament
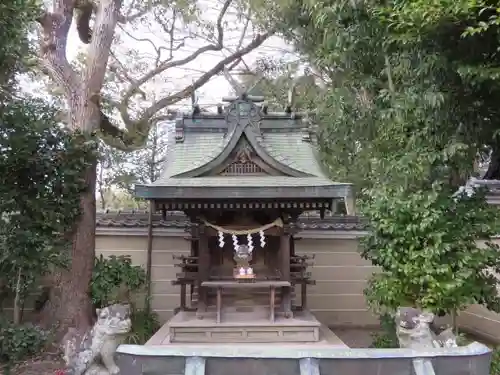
x=240, y=91
x=242, y=110
x=194, y=104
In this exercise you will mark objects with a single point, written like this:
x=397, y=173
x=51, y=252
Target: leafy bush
x=144, y=325
x=18, y=342
x=495, y=362
x=114, y=279
x=41, y=180
x=426, y=245
x=387, y=338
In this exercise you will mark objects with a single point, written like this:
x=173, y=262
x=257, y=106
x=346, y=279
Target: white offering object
x=242, y=271
x=249, y=271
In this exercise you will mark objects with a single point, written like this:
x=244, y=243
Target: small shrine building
x=242, y=177
x=247, y=239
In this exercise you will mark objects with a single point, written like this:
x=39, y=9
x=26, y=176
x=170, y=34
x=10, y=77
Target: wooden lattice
x=238, y=168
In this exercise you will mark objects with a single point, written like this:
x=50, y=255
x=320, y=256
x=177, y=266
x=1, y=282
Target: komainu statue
x=414, y=330
x=93, y=353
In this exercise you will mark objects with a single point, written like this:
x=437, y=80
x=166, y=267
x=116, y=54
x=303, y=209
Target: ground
x=47, y=364
x=355, y=337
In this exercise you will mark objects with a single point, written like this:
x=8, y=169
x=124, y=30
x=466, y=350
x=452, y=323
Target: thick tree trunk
x=69, y=303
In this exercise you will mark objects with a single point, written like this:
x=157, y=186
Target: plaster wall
x=337, y=298
x=164, y=295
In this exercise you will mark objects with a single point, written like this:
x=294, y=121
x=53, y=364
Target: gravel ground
x=355, y=337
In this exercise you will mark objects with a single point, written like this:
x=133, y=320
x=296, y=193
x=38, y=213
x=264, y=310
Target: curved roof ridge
x=277, y=161
x=276, y=155
x=211, y=160
x=199, y=162
x=291, y=149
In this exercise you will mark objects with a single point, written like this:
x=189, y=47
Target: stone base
x=238, y=327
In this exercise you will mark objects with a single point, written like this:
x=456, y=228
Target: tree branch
x=55, y=28
x=129, y=17
x=184, y=93
x=172, y=64
x=100, y=46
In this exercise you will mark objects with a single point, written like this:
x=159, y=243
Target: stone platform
x=240, y=327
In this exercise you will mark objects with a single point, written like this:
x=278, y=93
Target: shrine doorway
x=264, y=261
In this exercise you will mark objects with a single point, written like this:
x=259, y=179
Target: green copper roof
x=198, y=149
x=193, y=152
x=203, y=142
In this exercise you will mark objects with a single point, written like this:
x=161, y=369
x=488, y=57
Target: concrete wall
x=337, y=298
x=165, y=297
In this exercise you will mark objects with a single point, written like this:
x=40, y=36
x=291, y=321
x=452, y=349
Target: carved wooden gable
x=244, y=161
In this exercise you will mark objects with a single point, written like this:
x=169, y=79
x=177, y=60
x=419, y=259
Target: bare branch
x=184, y=93
x=158, y=50
x=129, y=17
x=245, y=28
x=172, y=64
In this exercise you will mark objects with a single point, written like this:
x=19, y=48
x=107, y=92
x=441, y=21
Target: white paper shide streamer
x=250, y=242
x=262, y=239
x=221, y=239
x=235, y=242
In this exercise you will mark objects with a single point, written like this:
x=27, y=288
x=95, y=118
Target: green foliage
x=145, y=323
x=400, y=78
x=495, y=362
x=41, y=178
x=113, y=277
x=387, y=338
x=16, y=18
x=18, y=342
x=426, y=245
x=114, y=280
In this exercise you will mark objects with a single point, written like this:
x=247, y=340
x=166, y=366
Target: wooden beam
x=203, y=268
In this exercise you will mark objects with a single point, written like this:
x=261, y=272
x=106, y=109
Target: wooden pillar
x=350, y=203
x=149, y=253
x=286, y=295
x=203, y=269
x=183, y=297
x=195, y=240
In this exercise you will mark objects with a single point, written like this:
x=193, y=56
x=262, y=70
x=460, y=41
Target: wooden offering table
x=233, y=284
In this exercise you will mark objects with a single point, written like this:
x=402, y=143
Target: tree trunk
x=493, y=172
x=69, y=303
